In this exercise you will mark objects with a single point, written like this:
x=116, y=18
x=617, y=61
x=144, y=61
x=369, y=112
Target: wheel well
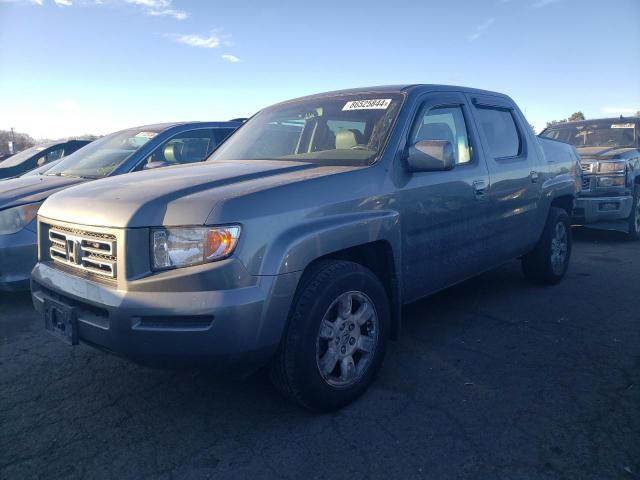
x=565, y=202
x=378, y=257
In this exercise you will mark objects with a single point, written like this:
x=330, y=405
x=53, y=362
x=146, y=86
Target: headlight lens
x=605, y=182
x=185, y=246
x=12, y=220
x=611, y=167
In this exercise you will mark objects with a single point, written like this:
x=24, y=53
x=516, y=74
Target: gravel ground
x=494, y=378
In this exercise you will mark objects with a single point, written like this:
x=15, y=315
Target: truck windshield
x=616, y=133
x=333, y=130
x=100, y=158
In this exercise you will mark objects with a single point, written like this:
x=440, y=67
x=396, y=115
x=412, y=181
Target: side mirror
x=431, y=156
x=158, y=164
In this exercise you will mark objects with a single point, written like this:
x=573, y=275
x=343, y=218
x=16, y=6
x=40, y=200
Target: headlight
x=185, y=246
x=12, y=220
x=605, y=182
x=612, y=167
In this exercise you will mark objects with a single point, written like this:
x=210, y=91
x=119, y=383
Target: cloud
x=68, y=105
x=155, y=8
x=151, y=3
x=195, y=40
x=169, y=12
x=36, y=2
x=619, y=110
x=543, y=3
x=160, y=8
x=230, y=58
x=481, y=29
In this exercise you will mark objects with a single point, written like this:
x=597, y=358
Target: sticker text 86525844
x=372, y=104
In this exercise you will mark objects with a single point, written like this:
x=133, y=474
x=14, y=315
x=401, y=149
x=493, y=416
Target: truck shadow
x=585, y=234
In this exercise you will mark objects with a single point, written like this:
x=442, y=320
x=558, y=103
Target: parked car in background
x=297, y=244
x=134, y=149
x=38, y=156
x=610, y=154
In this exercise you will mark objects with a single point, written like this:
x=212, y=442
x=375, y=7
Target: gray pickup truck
x=610, y=153
x=300, y=240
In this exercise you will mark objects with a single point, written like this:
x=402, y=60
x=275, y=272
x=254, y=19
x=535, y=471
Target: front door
x=444, y=213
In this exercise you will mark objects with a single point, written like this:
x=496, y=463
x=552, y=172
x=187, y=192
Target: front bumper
x=235, y=329
x=18, y=255
x=589, y=210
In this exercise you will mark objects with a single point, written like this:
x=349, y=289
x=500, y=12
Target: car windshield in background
x=597, y=134
x=18, y=158
x=103, y=156
x=332, y=130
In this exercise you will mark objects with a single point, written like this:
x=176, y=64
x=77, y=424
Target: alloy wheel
x=347, y=339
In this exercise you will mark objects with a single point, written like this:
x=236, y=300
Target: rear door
x=444, y=213
x=515, y=180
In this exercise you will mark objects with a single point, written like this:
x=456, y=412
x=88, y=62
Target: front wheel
x=548, y=262
x=336, y=336
x=634, y=218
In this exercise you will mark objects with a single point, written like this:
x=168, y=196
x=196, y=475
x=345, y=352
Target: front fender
x=295, y=248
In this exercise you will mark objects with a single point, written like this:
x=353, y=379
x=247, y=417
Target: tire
x=548, y=262
x=634, y=218
x=332, y=295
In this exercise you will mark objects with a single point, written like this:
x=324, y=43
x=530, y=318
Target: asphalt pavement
x=492, y=379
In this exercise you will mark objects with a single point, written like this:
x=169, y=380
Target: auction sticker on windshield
x=146, y=135
x=622, y=125
x=373, y=104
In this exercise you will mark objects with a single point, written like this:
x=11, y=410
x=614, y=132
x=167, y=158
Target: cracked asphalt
x=492, y=379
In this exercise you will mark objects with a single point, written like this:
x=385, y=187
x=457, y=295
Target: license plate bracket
x=61, y=321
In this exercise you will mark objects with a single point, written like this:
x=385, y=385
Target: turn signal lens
x=221, y=242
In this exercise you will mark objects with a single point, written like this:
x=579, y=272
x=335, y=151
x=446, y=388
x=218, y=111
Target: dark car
x=121, y=152
x=609, y=151
x=38, y=156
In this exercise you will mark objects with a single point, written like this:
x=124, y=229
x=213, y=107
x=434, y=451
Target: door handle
x=534, y=176
x=479, y=187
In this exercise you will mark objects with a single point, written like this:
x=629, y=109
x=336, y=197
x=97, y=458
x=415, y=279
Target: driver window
x=447, y=124
x=186, y=147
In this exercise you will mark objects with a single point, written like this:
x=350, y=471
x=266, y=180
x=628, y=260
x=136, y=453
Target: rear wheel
x=547, y=263
x=336, y=337
x=634, y=218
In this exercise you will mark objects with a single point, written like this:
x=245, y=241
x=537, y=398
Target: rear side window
x=500, y=130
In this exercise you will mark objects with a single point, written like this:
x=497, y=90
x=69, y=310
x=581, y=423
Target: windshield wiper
x=62, y=174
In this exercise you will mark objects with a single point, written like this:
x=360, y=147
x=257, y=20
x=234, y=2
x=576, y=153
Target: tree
x=577, y=116
x=573, y=118
x=555, y=122
x=21, y=141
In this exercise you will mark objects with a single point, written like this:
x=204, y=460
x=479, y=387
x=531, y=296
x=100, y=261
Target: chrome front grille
x=586, y=183
x=89, y=252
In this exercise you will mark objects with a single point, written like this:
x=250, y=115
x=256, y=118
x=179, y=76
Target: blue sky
x=71, y=67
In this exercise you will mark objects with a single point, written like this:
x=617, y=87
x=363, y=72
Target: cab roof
x=400, y=89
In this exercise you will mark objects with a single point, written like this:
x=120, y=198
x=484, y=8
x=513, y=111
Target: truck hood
x=602, y=153
x=183, y=195
x=21, y=190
